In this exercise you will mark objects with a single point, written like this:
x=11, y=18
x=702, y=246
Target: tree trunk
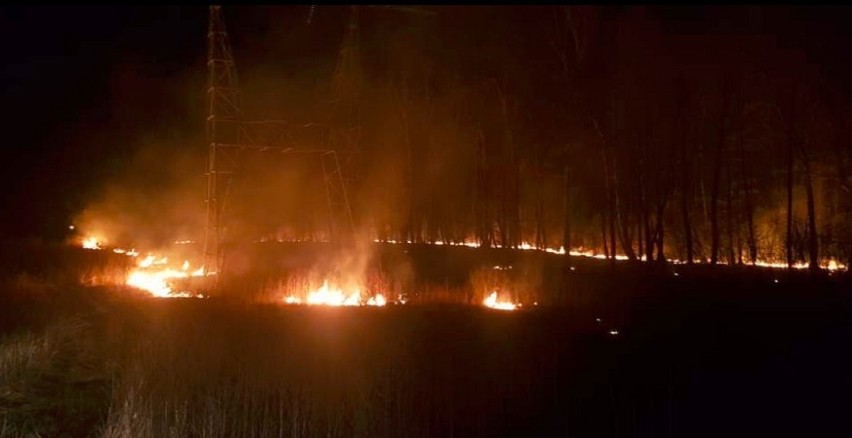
x=661, y=210
x=611, y=203
x=640, y=236
x=509, y=214
x=609, y=189
x=730, y=216
x=646, y=223
x=789, y=242
x=622, y=214
x=481, y=204
x=612, y=217
x=409, y=227
x=714, y=204
x=566, y=226
x=685, y=197
x=687, y=226
x=813, y=243
x=749, y=205
x=540, y=228
x=626, y=234
x=603, y=234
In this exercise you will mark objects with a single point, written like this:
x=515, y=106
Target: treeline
x=625, y=135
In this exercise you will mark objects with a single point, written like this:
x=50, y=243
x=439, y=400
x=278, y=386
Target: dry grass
x=179, y=368
x=83, y=361
x=52, y=381
x=255, y=373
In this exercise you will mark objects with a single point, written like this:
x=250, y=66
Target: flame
x=152, y=273
x=335, y=296
x=829, y=265
x=91, y=243
x=492, y=302
x=378, y=300
x=156, y=279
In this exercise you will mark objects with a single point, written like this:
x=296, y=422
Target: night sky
x=84, y=88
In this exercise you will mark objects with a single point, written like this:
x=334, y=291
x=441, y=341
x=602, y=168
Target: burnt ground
x=626, y=351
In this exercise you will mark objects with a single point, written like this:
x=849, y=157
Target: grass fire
x=426, y=221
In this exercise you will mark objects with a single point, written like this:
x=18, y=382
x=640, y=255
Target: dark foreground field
x=704, y=353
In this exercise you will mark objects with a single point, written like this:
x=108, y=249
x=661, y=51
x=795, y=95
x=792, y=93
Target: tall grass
x=62, y=265
x=219, y=370
x=249, y=375
x=78, y=361
x=52, y=381
x=21, y=353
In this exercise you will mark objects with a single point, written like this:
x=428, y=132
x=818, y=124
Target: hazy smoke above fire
x=156, y=199
x=475, y=124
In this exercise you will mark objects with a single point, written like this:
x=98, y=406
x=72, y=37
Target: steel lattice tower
x=224, y=133
x=346, y=126
x=229, y=134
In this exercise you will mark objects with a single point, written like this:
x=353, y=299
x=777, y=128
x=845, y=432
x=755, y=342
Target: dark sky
x=82, y=87
x=69, y=120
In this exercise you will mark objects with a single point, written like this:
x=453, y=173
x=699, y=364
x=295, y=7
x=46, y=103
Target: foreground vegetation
x=624, y=352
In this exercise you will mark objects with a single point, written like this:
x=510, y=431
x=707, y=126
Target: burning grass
x=372, y=275
x=153, y=368
x=81, y=360
x=303, y=273
x=54, y=380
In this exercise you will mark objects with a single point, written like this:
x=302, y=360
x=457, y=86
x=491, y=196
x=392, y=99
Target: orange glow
x=152, y=276
x=333, y=296
x=491, y=301
x=829, y=264
x=91, y=243
x=152, y=273
x=327, y=295
x=157, y=275
x=157, y=281
x=378, y=300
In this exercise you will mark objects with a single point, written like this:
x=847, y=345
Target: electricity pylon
x=224, y=133
x=229, y=135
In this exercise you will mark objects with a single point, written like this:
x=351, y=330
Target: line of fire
x=693, y=163
x=425, y=221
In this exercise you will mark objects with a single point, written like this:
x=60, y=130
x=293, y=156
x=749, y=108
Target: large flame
x=158, y=281
x=152, y=273
x=91, y=243
x=333, y=296
x=327, y=295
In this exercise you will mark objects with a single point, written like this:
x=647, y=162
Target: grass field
x=624, y=351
